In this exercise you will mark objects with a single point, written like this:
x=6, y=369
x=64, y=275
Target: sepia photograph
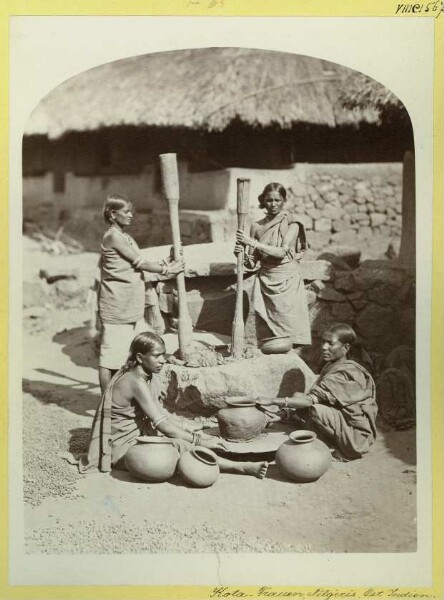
x=224, y=277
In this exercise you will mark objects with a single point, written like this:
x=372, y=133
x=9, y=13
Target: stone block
x=331, y=295
x=203, y=390
x=384, y=294
x=341, y=225
x=339, y=264
x=312, y=270
x=364, y=233
x=319, y=239
x=344, y=282
x=298, y=189
x=351, y=254
x=379, y=325
x=306, y=220
x=331, y=197
x=343, y=312
x=344, y=237
x=345, y=189
x=377, y=219
x=314, y=213
x=333, y=213
x=322, y=224
x=319, y=203
x=366, y=278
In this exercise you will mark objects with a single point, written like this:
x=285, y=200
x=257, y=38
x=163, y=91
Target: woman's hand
x=213, y=443
x=177, y=266
x=243, y=238
x=170, y=258
x=238, y=248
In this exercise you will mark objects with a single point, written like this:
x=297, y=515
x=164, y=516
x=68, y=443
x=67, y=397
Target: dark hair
x=272, y=187
x=143, y=343
x=113, y=202
x=346, y=334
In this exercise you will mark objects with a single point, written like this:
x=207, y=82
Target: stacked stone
x=154, y=229
x=377, y=299
x=342, y=210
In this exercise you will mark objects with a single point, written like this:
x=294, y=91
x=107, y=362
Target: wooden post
x=170, y=178
x=407, y=251
x=237, y=334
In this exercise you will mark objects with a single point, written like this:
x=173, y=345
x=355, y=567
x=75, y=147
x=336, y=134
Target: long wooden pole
x=407, y=251
x=237, y=334
x=170, y=178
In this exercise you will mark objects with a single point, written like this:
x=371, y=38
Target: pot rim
x=209, y=459
x=302, y=436
x=239, y=404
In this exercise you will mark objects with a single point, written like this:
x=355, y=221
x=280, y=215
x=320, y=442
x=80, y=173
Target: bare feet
x=258, y=470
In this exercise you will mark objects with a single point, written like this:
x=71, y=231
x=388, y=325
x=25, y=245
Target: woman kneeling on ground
x=130, y=408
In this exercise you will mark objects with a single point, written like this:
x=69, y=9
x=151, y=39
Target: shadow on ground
x=76, y=396
x=78, y=345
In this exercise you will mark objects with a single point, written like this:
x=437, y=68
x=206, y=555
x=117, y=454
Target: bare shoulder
x=111, y=238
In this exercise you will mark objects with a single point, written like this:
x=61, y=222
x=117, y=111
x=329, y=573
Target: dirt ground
x=367, y=505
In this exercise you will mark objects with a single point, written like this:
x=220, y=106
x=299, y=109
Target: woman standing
x=277, y=242
x=122, y=287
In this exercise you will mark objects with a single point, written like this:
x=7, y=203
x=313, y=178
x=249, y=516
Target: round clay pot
x=276, y=345
x=199, y=467
x=241, y=421
x=153, y=462
x=303, y=457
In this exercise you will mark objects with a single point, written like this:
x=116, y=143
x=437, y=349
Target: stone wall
x=347, y=204
x=337, y=203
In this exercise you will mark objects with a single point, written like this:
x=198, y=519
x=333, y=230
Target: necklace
x=125, y=235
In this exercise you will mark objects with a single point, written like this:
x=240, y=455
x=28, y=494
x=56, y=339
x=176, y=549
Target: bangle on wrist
x=285, y=402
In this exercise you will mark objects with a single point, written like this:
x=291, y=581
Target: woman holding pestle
x=277, y=243
x=122, y=286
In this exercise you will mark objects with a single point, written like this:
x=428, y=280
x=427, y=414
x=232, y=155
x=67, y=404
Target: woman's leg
x=243, y=468
x=105, y=376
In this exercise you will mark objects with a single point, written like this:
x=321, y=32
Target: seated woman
x=130, y=408
x=340, y=406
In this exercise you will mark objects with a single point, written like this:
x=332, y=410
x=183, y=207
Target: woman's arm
x=298, y=400
x=163, y=422
x=288, y=242
x=119, y=243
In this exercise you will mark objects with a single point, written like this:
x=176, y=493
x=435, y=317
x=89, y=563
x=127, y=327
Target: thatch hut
x=217, y=108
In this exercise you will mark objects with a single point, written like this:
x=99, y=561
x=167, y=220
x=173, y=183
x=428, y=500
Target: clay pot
x=276, y=345
x=199, y=467
x=152, y=462
x=241, y=421
x=303, y=457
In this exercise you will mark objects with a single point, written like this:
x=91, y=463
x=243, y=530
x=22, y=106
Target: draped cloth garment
x=115, y=429
x=278, y=292
x=345, y=408
x=122, y=287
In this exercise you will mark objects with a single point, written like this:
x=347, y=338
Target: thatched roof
x=200, y=89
